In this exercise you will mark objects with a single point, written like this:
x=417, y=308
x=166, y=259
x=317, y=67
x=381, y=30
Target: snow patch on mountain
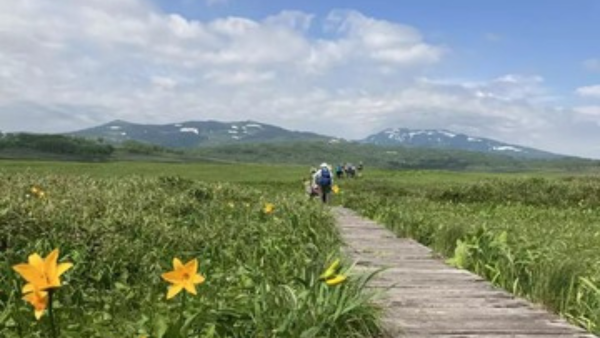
x=444, y=139
x=403, y=134
x=190, y=130
x=507, y=148
x=449, y=134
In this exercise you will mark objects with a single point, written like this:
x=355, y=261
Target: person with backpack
x=324, y=179
x=312, y=189
x=339, y=171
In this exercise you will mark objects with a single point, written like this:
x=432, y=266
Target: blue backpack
x=325, y=179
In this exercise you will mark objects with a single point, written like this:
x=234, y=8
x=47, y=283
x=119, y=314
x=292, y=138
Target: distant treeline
x=139, y=148
x=303, y=153
x=396, y=158
x=70, y=147
x=55, y=144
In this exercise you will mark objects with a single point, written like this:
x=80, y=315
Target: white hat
x=324, y=165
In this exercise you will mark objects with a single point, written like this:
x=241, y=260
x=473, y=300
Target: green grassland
x=535, y=234
x=121, y=225
x=209, y=172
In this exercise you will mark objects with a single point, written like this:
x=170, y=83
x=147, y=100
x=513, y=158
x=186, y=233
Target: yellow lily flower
x=335, y=281
x=42, y=274
x=39, y=301
x=269, y=208
x=335, y=189
x=183, y=277
x=330, y=276
x=37, y=192
x=331, y=270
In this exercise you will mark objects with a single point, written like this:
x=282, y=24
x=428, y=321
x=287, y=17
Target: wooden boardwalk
x=427, y=298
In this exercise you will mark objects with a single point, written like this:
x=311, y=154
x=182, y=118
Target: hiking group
x=321, y=180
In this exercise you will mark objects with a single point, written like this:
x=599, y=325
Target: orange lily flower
x=42, y=274
x=183, y=277
x=39, y=301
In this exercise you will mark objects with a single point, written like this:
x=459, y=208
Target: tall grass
x=536, y=237
x=122, y=233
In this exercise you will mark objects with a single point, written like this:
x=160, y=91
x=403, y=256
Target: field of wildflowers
x=169, y=257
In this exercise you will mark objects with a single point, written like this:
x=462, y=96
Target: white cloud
x=592, y=65
x=239, y=77
x=589, y=91
x=588, y=112
x=163, y=82
x=294, y=20
x=382, y=40
x=79, y=63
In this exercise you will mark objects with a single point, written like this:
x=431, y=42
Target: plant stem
x=51, y=314
x=183, y=300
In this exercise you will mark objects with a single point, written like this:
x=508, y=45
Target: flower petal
x=29, y=297
x=192, y=267
x=39, y=314
x=331, y=270
x=198, y=279
x=50, y=268
x=172, y=277
x=190, y=287
x=27, y=288
x=63, y=267
x=177, y=264
x=39, y=301
x=31, y=274
x=174, y=290
x=36, y=261
x=335, y=281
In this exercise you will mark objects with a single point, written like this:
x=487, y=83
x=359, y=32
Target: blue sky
x=525, y=72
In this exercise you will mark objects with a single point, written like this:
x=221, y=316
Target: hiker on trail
x=350, y=170
x=339, y=171
x=324, y=180
x=312, y=189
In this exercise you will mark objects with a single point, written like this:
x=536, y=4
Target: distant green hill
x=392, y=157
x=309, y=153
x=195, y=134
x=444, y=139
x=199, y=134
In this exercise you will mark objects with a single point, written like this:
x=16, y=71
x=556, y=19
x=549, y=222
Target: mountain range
x=444, y=139
x=196, y=134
